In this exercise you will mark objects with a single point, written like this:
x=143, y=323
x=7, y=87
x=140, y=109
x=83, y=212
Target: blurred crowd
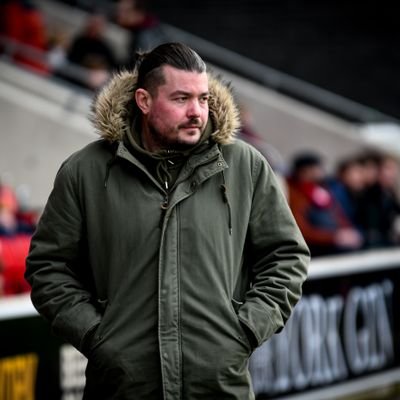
x=354, y=208
x=85, y=58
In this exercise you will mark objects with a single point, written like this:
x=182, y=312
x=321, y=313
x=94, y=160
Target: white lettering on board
x=326, y=339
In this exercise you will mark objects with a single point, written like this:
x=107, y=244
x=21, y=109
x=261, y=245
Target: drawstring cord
x=163, y=173
x=224, y=191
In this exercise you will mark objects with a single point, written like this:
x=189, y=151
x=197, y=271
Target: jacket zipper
x=164, y=204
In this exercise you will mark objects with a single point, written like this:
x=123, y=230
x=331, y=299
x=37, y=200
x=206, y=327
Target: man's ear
x=143, y=100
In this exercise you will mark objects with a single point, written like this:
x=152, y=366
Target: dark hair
x=178, y=55
x=345, y=164
x=370, y=156
x=305, y=160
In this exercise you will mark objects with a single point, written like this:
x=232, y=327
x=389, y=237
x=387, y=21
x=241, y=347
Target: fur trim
x=111, y=108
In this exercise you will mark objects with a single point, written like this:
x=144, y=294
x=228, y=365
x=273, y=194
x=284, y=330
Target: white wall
x=38, y=131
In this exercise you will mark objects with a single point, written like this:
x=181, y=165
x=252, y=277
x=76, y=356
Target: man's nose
x=194, y=108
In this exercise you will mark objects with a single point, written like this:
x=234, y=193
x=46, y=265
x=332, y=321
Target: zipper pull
x=165, y=203
x=164, y=207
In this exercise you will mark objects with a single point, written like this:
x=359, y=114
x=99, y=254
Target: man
x=166, y=252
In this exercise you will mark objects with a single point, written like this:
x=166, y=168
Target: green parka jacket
x=167, y=295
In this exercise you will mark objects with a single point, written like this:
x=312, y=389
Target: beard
x=171, y=139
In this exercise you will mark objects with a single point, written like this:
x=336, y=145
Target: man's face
x=178, y=110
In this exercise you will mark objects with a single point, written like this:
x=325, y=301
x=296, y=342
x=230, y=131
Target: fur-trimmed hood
x=111, y=108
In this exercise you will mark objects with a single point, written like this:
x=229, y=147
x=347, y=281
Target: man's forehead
x=180, y=77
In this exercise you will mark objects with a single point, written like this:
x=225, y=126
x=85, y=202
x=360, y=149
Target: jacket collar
x=113, y=109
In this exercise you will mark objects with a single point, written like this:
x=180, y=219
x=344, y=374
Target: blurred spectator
x=22, y=22
x=16, y=226
x=389, y=180
x=144, y=27
x=380, y=207
x=13, y=251
x=320, y=218
x=91, y=51
x=14, y=219
x=8, y=211
x=58, y=48
x=347, y=187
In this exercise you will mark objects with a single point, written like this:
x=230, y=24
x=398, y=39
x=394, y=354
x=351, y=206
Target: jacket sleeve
x=278, y=258
x=56, y=265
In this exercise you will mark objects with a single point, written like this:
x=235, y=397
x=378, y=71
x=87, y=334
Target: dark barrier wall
x=34, y=365
x=345, y=328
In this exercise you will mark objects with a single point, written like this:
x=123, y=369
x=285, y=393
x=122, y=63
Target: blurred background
x=317, y=87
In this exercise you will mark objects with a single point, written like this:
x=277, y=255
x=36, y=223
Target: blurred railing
x=22, y=54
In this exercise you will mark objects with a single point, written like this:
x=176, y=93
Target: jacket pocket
x=236, y=305
x=106, y=372
x=102, y=305
x=95, y=337
x=243, y=337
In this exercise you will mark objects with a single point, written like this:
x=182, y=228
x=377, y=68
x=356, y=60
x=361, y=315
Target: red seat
x=13, y=252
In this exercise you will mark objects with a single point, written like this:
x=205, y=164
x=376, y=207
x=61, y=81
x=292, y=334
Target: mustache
x=192, y=123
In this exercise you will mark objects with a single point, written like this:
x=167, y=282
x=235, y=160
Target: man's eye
x=180, y=99
x=204, y=99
